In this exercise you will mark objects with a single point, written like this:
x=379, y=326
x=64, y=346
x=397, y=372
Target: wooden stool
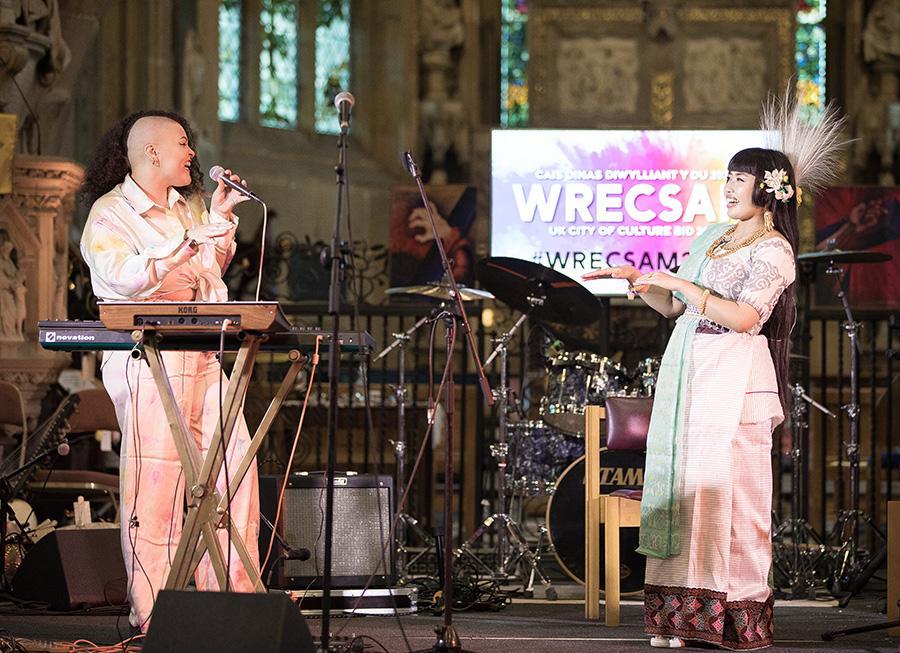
x=628, y=420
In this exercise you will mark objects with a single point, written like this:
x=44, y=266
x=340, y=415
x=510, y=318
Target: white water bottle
x=82, y=512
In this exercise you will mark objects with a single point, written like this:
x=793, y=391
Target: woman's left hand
x=224, y=199
x=659, y=278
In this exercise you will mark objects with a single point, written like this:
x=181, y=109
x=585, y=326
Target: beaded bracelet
x=702, y=306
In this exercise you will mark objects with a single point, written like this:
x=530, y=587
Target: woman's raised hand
x=224, y=198
x=627, y=272
x=206, y=233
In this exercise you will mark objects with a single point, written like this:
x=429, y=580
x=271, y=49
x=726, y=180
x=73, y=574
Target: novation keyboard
x=90, y=335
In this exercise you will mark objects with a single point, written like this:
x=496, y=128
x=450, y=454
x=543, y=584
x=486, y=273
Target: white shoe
x=662, y=641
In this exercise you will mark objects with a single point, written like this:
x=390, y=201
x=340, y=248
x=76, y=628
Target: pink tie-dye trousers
x=151, y=479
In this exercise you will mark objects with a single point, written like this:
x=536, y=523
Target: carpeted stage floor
x=532, y=626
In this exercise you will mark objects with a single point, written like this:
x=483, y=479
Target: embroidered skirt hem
x=707, y=615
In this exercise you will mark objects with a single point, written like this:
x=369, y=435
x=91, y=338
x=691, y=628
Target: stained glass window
x=332, y=61
x=230, y=60
x=513, y=63
x=278, y=64
x=810, y=56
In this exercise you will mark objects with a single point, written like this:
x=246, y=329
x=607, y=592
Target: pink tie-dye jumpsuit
x=124, y=236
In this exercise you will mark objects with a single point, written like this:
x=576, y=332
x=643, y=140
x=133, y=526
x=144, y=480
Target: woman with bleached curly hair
x=722, y=389
x=149, y=237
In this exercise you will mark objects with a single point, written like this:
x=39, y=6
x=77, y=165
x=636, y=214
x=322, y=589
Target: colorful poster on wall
x=7, y=150
x=414, y=256
x=863, y=218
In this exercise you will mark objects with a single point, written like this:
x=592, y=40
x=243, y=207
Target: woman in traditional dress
x=722, y=389
x=149, y=237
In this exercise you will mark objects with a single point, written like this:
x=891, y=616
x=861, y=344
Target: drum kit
x=534, y=457
x=543, y=455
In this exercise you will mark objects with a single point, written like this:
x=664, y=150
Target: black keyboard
x=88, y=335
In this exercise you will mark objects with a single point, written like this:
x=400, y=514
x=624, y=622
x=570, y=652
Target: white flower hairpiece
x=776, y=181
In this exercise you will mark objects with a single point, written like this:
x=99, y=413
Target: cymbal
x=560, y=299
x=844, y=256
x=441, y=291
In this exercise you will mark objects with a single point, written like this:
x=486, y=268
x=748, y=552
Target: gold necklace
x=719, y=250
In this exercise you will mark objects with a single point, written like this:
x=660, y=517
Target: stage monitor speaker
x=363, y=506
x=226, y=622
x=74, y=568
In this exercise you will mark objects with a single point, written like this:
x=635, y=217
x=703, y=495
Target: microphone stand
x=334, y=370
x=447, y=638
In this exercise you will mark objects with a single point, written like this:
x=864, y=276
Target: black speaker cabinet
x=363, y=506
x=74, y=568
x=226, y=622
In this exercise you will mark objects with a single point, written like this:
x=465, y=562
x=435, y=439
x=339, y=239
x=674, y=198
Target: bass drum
x=565, y=517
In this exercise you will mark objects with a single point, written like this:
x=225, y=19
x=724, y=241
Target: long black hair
x=757, y=161
x=110, y=162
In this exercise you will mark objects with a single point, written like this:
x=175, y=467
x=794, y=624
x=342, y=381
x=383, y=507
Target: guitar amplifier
x=361, y=545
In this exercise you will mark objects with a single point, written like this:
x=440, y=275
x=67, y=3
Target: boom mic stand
x=447, y=638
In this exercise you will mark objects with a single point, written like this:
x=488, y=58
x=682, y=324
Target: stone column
x=35, y=219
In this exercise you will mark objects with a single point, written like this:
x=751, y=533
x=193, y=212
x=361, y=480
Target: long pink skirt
x=717, y=589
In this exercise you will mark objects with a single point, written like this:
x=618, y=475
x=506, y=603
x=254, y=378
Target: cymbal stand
x=850, y=562
x=797, y=548
x=406, y=521
x=512, y=551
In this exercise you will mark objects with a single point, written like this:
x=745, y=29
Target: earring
x=768, y=221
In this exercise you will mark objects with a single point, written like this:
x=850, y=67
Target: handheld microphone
x=217, y=173
x=344, y=102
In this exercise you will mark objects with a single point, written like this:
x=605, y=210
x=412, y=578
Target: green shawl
x=660, y=533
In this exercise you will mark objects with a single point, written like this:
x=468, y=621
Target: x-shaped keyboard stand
x=207, y=510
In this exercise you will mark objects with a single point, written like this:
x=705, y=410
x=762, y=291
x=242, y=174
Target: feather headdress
x=812, y=147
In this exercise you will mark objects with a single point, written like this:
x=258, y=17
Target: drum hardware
x=513, y=555
x=406, y=521
x=515, y=282
x=442, y=291
x=797, y=548
x=848, y=558
x=577, y=379
x=644, y=380
x=850, y=566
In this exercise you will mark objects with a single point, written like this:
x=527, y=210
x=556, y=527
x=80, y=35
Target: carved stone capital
x=41, y=184
x=13, y=51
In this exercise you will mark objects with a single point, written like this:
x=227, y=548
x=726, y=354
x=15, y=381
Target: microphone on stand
x=296, y=554
x=344, y=102
x=217, y=173
x=63, y=447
